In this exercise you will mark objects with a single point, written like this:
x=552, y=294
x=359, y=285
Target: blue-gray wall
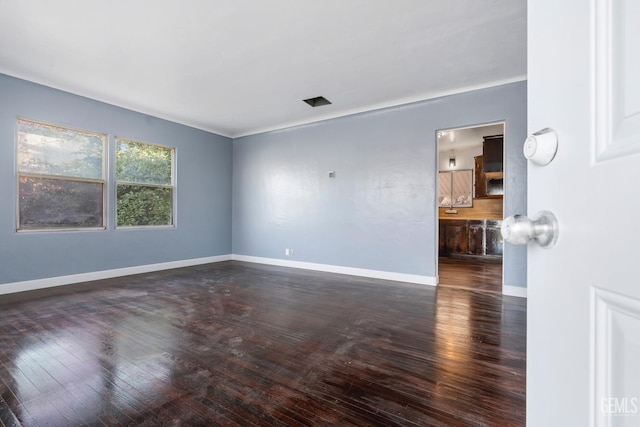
x=379, y=212
x=204, y=162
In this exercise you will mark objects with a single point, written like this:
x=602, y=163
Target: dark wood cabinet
x=492, y=153
x=469, y=237
x=493, y=240
x=480, y=178
x=476, y=237
x=489, y=168
x=454, y=237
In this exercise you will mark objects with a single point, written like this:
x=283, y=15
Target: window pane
x=462, y=188
x=140, y=205
x=444, y=189
x=54, y=203
x=51, y=150
x=143, y=163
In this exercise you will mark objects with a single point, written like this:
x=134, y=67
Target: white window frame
x=171, y=186
x=65, y=178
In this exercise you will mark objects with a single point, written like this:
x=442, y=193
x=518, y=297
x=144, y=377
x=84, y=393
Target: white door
x=583, y=344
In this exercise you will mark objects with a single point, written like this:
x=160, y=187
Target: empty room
x=186, y=240
x=298, y=213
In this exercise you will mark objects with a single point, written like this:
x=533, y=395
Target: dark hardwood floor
x=239, y=344
x=472, y=273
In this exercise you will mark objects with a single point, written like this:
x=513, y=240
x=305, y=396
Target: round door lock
x=541, y=147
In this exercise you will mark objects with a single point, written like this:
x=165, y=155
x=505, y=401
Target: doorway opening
x=470, y=207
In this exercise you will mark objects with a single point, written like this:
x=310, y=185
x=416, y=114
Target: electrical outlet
x=288, y=252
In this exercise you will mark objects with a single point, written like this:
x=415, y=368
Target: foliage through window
x=60, y=177
x=144, y=184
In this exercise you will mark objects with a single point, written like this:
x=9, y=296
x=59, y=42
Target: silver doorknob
x=519, y=230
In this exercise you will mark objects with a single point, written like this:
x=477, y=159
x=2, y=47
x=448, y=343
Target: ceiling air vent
x=318, y=101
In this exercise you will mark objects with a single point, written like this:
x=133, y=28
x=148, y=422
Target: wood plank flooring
x=238, y=344
x=473, y=273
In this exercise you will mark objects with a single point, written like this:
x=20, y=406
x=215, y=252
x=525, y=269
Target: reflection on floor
x=240, y=344
x=477, y=273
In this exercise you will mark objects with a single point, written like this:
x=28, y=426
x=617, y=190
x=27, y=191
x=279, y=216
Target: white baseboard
x=514, y=291
x=30, y=285
x=375, y=274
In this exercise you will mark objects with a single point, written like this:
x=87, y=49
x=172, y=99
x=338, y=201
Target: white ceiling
x=464, y=138
x=237, y=67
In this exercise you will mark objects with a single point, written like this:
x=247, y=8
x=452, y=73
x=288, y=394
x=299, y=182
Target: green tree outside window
x=144, y=180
